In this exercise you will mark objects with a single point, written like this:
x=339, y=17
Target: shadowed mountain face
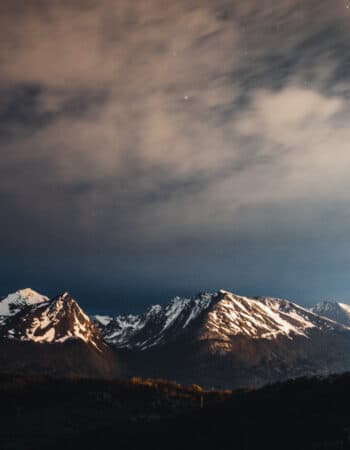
x=44, y=320
x=227, y=340
x=221, y=339
x=216, y=318
x=38, y=335
x=73, y=358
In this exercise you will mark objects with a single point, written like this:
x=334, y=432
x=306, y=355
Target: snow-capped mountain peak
x=339, y=312
x=345, y=307
x=32, y=317
x=103, y=319
x=31, y=296
x=255, y=318
x=260, y=318
x=157, y=325
x=220, y=338
x=217, y=317
x=14, y=302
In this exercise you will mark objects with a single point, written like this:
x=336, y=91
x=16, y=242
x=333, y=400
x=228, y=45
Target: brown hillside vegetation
x=38, y=413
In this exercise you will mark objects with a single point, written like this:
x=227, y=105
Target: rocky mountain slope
x=14, y=303
x=226, y=340
x=159, y=324
x=339, y=312
x=220, y=339
x=29, y=316
x=217, y=317
x=30, y=321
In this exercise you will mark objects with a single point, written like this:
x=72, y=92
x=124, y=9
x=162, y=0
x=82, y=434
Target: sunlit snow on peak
x=11, y=304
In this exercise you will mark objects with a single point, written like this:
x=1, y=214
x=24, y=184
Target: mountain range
x=217, y=340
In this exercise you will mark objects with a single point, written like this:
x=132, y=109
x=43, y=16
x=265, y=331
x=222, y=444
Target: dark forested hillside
x=40, y=412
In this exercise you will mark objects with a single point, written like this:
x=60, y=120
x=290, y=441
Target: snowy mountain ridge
x=158, y=322
x=29, y=316
x=339, y=312
x=215, y=339
x=13, y=303
x=216, y=317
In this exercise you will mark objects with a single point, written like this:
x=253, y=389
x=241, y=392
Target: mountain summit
x=13, y=303
x=225, y=340
x=29, y=316
x=216, y=339
x=217, y=317
x=339, y=312
x=159, y=324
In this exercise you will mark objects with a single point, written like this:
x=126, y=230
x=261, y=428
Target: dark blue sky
x=153, y=149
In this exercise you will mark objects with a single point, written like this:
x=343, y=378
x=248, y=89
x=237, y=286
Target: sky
x=157, y=148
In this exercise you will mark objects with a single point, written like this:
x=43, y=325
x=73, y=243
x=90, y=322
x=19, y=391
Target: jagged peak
x=219, y=316
x=65, y=296
x=327, y=306
x=154, y=309
x=224, y=292
x=222, y=315
x=53, y=321
x=29, y=295
x=337, y=311
x=27, y=292
x=13, y=302
x=66, y=299
x=327, y=303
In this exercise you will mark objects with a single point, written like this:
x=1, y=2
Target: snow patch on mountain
x=339, y=312
x=217, y=318
x=30, y=316
x=15, y=302
x=262, y=318
x=61, y=320
x=156, y=325
x=224, y=315
x=103, y=320
x=345, y=308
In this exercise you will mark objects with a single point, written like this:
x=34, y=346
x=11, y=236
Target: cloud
x=145, y=124
x=278, y=115
x=301, y=134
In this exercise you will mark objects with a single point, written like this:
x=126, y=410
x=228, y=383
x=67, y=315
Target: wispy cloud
x=148, y=122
